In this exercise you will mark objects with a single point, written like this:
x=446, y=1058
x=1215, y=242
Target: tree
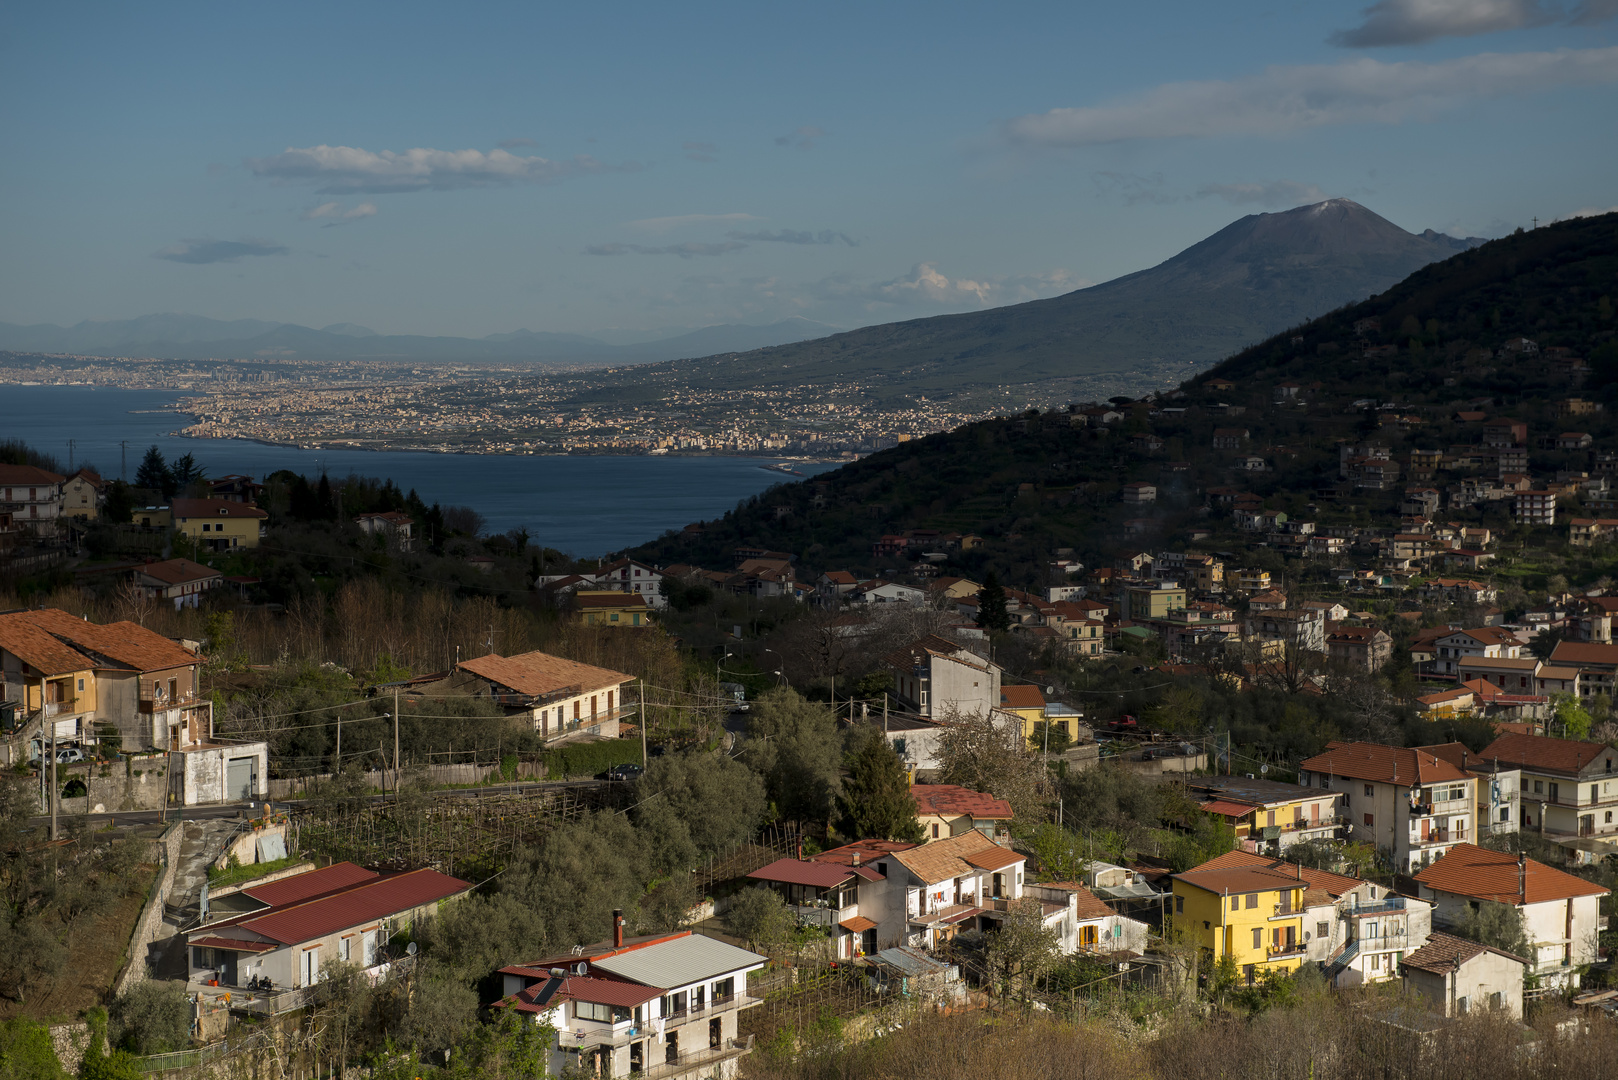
x=185, y=471
x=1571, y=715
x=151, y=1018
x=119, y=507
x=27, y=1053
x=795, y=745
x=154, y=474
x=1021, y=948
x=719, y=801
x=1497, y=925
x=992, y=613
x=1112, y=798
x=978, y=753
x=760, y=917
x=876, y=800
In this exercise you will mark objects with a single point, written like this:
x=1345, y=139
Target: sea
x=582, y=505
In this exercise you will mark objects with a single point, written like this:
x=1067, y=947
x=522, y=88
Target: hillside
x=1034, y=484
x=1253, y=278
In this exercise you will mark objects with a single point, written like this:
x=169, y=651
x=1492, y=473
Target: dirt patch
x=95, y=955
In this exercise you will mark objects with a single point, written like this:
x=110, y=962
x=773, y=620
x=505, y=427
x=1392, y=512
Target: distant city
x=514, y=409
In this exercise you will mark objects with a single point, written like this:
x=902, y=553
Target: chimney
x=856, y=858
x=1522, y=875
x=617, y=928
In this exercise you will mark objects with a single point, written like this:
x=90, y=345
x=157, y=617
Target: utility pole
x=395, y=744
x=337, y=763
x=884, y=716
x=54, y=792
x=70, y=469
x=644, y=760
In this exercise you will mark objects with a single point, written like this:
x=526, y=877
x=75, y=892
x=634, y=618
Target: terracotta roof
x=840, y=577
x=25, y=475
x=613, y=599
x=867, y=850
x=1585, y=654
x=548, y=992
x=177, y=571
x=858, y=924
x=1445, y=953
x=376, y=899
x=1229, y=872
x=1387, y=764
x=1090, y=906
x=1488, y=635
x=948, y=858
x=1445, y=695
x=538, y=673
x=40, y=650
x=1537, y=752
x=801, y=872
x=914, y=654
x=1021, y=697
x=993, y=857
x=1468, y=870
x=946, y=800
x=213, y=508
x=234, y=944
x=1508, y=663
x=125, y=643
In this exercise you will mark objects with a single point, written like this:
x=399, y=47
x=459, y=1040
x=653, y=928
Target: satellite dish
x=411, y=948
x=1050, y=690
x=581, y=969
x=1263, y=768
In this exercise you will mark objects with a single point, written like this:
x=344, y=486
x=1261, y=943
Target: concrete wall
x=205, y=772
x=297, y=787
x=959, y=686
x=1476, y=980
x=150, y=929
x=245, y=846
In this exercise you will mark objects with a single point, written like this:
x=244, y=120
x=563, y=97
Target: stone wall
x=139, y=782
x=150, y=928
x=70, y=1041
x=245, y=846
x=299, y=786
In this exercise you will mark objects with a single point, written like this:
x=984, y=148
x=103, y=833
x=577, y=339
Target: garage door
x=241, y=775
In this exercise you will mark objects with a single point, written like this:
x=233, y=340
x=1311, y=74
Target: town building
x=1457, y=977
x=945, y=810
x=1561, y=913
x=1569, y=787
x=662, y=1007
x=611, y=608
x=1268, y=815
x=396, y=528
x=936, y=677
x=218, y=524
x=1362, y=648
x=561, y=697
x=1410, y=804
x=82, y=494
x=181, y=582
x=293, y=928
x=32, y=497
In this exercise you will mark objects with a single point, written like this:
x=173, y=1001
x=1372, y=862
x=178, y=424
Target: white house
x=1411, y=804
x=1458, y=976
x=662, y=1007
x=936, y=677
x=560, y=696
x=627, y=575
x=1088, y=924
x=1561, y=913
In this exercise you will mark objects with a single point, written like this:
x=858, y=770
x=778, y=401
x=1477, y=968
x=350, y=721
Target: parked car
x=67, y=755
x=624, y=772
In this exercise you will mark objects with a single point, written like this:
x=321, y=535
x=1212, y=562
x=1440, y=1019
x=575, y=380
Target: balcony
x=697, y=1060
x=150, y=702
x=1379, y=907
x=1284, y=952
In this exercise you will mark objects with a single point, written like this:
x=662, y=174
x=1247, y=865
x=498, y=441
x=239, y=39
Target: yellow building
x=1244, y=906
x=217, y=524
x=47, y=674
x=1152, y=601
x=81, y=495
x=609, y=607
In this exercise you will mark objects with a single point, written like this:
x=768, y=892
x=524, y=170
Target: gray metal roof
x=910, y=962
x=684, y=960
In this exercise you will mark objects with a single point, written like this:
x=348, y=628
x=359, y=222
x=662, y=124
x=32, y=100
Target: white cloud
x=1590, y=211
x=803, y=138
x=335, y=210
x=796, y=236
x=1412, y=22
x=1283, y=100
x=1287, y=193
x=680, y=221
x=925, y=286
x=349, y=170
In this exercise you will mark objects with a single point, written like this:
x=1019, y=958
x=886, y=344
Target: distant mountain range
x=191, y=337
x=1253, y=278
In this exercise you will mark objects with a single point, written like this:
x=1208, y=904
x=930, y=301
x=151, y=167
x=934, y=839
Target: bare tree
x=135, y=604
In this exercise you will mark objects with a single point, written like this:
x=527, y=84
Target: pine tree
x=154, y=473
x=992, y=614
x=876, y=800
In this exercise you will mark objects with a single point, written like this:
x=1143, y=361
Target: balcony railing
x=1379, y=907
x=162, y=702
x=1281, y=952
x=693, y=1060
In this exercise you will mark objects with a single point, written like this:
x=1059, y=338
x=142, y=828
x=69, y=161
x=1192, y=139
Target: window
x=723, y=989
x=1322, y=929
x=1258, y=937
x=1179, y=905
x=1609, y=818
x=1539, y=787
x=1369, y=820
x=81, y=685
x=1556, y=789
x=590, y=1010
x=1369, y=791
x=935, y=832
x=1505, y=813
x=1325, y=782
x=1252, y=900
x=1462, y=1006
x=1495, y=1000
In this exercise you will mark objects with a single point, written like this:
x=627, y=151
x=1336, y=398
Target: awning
x=857, y=925
x=959, y=916
x=232, y=944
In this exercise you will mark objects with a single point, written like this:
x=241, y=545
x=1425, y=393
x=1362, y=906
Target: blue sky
x=633, y=168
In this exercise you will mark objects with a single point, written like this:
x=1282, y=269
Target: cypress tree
x=876, y=801
x=992, y=614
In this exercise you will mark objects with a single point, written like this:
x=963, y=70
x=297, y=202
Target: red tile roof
x=124, y=643
x=858, y=924
x=40, y=650
x=538, y=673
x=948, y=800
x=952, y=857
x=362, y=903
x=542, y=995
x=1584, y=654
x=1468, y=870
x=1386, y=764
x=1266, y=869
x=867, y=850
x=1541, y=752
x=1021, y=697
x=802, y=872
x=1227, y=808
x=25, y=475
x=1090, y=906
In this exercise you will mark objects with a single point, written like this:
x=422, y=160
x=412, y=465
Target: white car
x=67, y=755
